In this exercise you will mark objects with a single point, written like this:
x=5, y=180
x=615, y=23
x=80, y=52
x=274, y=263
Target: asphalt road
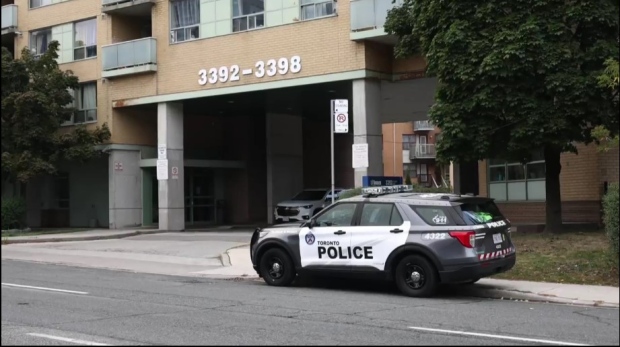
x=122, y=308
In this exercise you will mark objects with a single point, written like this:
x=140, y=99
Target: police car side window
x=339, y=215
x=433, y=215
x=377, y=214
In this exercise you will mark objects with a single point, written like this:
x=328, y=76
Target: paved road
x=115, y=307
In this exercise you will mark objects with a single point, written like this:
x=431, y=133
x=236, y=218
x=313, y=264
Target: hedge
x=610, y=215
x=13, y=213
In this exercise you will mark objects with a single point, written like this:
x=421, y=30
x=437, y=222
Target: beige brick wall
x=608, y=164
x=579, y=177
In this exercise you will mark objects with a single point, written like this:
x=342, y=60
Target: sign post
x=339, y=124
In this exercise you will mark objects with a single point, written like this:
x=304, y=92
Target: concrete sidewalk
x=241, y=265
x=88, y=235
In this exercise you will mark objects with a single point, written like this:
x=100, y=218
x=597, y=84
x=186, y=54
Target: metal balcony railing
x=130, y=54
x=423, y=125
x=423, y=152
x=370, y=14
x=9, y=18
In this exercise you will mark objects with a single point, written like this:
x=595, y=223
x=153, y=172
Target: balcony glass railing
x=370, y=14
x=9, y=17
x=129, y=54
x=423, y=151
x=423, y=125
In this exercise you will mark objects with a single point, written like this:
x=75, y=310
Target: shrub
x=610, y=215
x=13, y=213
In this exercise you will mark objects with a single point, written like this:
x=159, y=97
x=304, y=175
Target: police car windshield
x=310, y=195
x=479, y=212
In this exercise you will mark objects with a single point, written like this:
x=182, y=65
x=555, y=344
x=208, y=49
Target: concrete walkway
x=241, y=265
x=88, y=235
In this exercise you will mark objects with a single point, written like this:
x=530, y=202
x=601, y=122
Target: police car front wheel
x=415, y=276
x=277, y=268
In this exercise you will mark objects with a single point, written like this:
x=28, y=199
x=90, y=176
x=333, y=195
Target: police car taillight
x=466, y=238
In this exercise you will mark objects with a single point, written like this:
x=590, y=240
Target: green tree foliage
x=514, y=76
x=35, y=99
x=609, y=79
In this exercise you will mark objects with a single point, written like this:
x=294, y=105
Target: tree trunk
x=553, y=216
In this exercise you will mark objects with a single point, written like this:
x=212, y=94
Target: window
x=85, y=39
x=433, y=215
x=513, y=181
x=61, y=187
x=476, y=213
x=408, y=142
x=85, y=103
x=39, y=41
x=376, y=214
x=410, y=169
x=316, y=8
x=39, y=3
x=339, y=215
x=248, y=14
x=184, y=20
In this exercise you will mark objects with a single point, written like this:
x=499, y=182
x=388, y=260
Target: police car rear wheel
x=276, y=268
x=415, y=276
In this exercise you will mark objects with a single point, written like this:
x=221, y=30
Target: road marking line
x=502, y=337
x=44, y=288
x=66, y=339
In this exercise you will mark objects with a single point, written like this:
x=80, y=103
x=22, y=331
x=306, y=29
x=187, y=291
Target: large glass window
x=85, y=103
x=316, y=8
x=85, y=39
x=408, y=142
x=512, y=181
x=39, y=3
x=39, y=41
x=248, y=14
x=184, y=20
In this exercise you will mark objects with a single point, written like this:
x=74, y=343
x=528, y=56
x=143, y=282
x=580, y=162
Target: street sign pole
x=331, y=137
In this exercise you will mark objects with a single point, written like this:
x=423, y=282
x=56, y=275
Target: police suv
x=417, y=240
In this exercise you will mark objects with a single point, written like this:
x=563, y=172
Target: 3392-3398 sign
x=233, y=73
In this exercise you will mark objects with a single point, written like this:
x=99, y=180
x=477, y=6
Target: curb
x=225, y=257
x=84, y=238
x=489, y=293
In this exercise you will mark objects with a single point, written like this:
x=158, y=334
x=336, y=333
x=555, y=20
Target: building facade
x=231, y=96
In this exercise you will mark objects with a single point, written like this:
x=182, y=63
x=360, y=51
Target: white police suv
x=418, y=240
x=304, y=205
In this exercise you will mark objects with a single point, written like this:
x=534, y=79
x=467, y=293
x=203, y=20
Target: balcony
x=423, y=125
x=423, y=152
x=130, y=57
x=368, y=18
x=127, y=7
x=9, y=19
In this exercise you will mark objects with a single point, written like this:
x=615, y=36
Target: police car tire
x=289, y=268
x=430, y=277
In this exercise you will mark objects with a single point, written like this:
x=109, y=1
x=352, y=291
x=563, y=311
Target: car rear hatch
x=492, y=228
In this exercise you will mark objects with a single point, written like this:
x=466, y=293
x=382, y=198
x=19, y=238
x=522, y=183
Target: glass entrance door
x=199, y=196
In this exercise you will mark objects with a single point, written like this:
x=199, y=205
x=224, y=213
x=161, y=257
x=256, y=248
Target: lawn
x=572, y=257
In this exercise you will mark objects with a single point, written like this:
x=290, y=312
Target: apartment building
x=409, y=150
x=219, y=109
x=230, y=97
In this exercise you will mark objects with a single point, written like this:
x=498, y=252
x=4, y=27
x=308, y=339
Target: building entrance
x=199, y=196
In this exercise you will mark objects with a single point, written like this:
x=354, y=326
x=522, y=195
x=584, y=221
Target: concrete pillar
x=125, y=189
x=172, y=190
x=367, y=127
x=285, y=162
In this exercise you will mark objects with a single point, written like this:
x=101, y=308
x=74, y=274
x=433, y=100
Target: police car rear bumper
x=464, y=273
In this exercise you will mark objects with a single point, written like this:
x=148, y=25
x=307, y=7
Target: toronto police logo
x=310, y=238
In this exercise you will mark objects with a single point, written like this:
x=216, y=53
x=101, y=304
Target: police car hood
x=288, y=228
x=297, y=203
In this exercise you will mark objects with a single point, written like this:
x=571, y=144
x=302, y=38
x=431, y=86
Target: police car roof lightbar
x=375, y=191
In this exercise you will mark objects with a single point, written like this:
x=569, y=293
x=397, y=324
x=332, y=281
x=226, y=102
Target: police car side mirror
x=311, y=223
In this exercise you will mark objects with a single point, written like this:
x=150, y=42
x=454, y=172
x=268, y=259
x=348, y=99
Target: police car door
x=327, y=243
x=381, y=230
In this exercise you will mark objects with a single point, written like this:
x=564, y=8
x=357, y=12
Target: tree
x=514, y=76
x=35, y=99
x=609, y=79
